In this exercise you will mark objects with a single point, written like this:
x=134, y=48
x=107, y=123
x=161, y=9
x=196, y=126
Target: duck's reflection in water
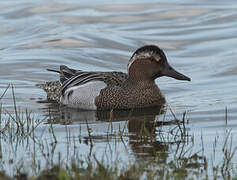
x=149, y=134
x=64, y=115
x=142, y=124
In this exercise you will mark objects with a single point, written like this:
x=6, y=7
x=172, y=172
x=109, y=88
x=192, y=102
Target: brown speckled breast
x=125, y=97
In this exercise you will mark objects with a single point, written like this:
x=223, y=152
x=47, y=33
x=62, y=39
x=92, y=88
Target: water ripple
x=199, y=39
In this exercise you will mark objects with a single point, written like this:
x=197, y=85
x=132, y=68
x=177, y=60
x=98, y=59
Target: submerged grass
x=170, y=147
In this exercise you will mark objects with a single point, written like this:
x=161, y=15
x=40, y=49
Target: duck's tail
x=52, y=90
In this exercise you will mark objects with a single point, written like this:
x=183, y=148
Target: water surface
x=199, y=39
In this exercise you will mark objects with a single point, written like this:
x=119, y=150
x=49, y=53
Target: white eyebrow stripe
x=143, y=55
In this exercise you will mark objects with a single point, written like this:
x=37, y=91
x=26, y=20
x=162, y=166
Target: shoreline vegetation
x=170, y=146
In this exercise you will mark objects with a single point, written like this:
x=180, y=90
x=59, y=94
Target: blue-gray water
x=198, y=37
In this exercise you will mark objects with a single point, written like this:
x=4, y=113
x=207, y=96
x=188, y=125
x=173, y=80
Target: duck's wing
x=80, y=79
x=71, y=78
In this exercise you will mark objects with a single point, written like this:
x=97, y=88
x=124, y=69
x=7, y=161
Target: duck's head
x=149, y=62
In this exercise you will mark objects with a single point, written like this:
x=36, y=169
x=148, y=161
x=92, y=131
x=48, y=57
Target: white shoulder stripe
x=80, y=79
